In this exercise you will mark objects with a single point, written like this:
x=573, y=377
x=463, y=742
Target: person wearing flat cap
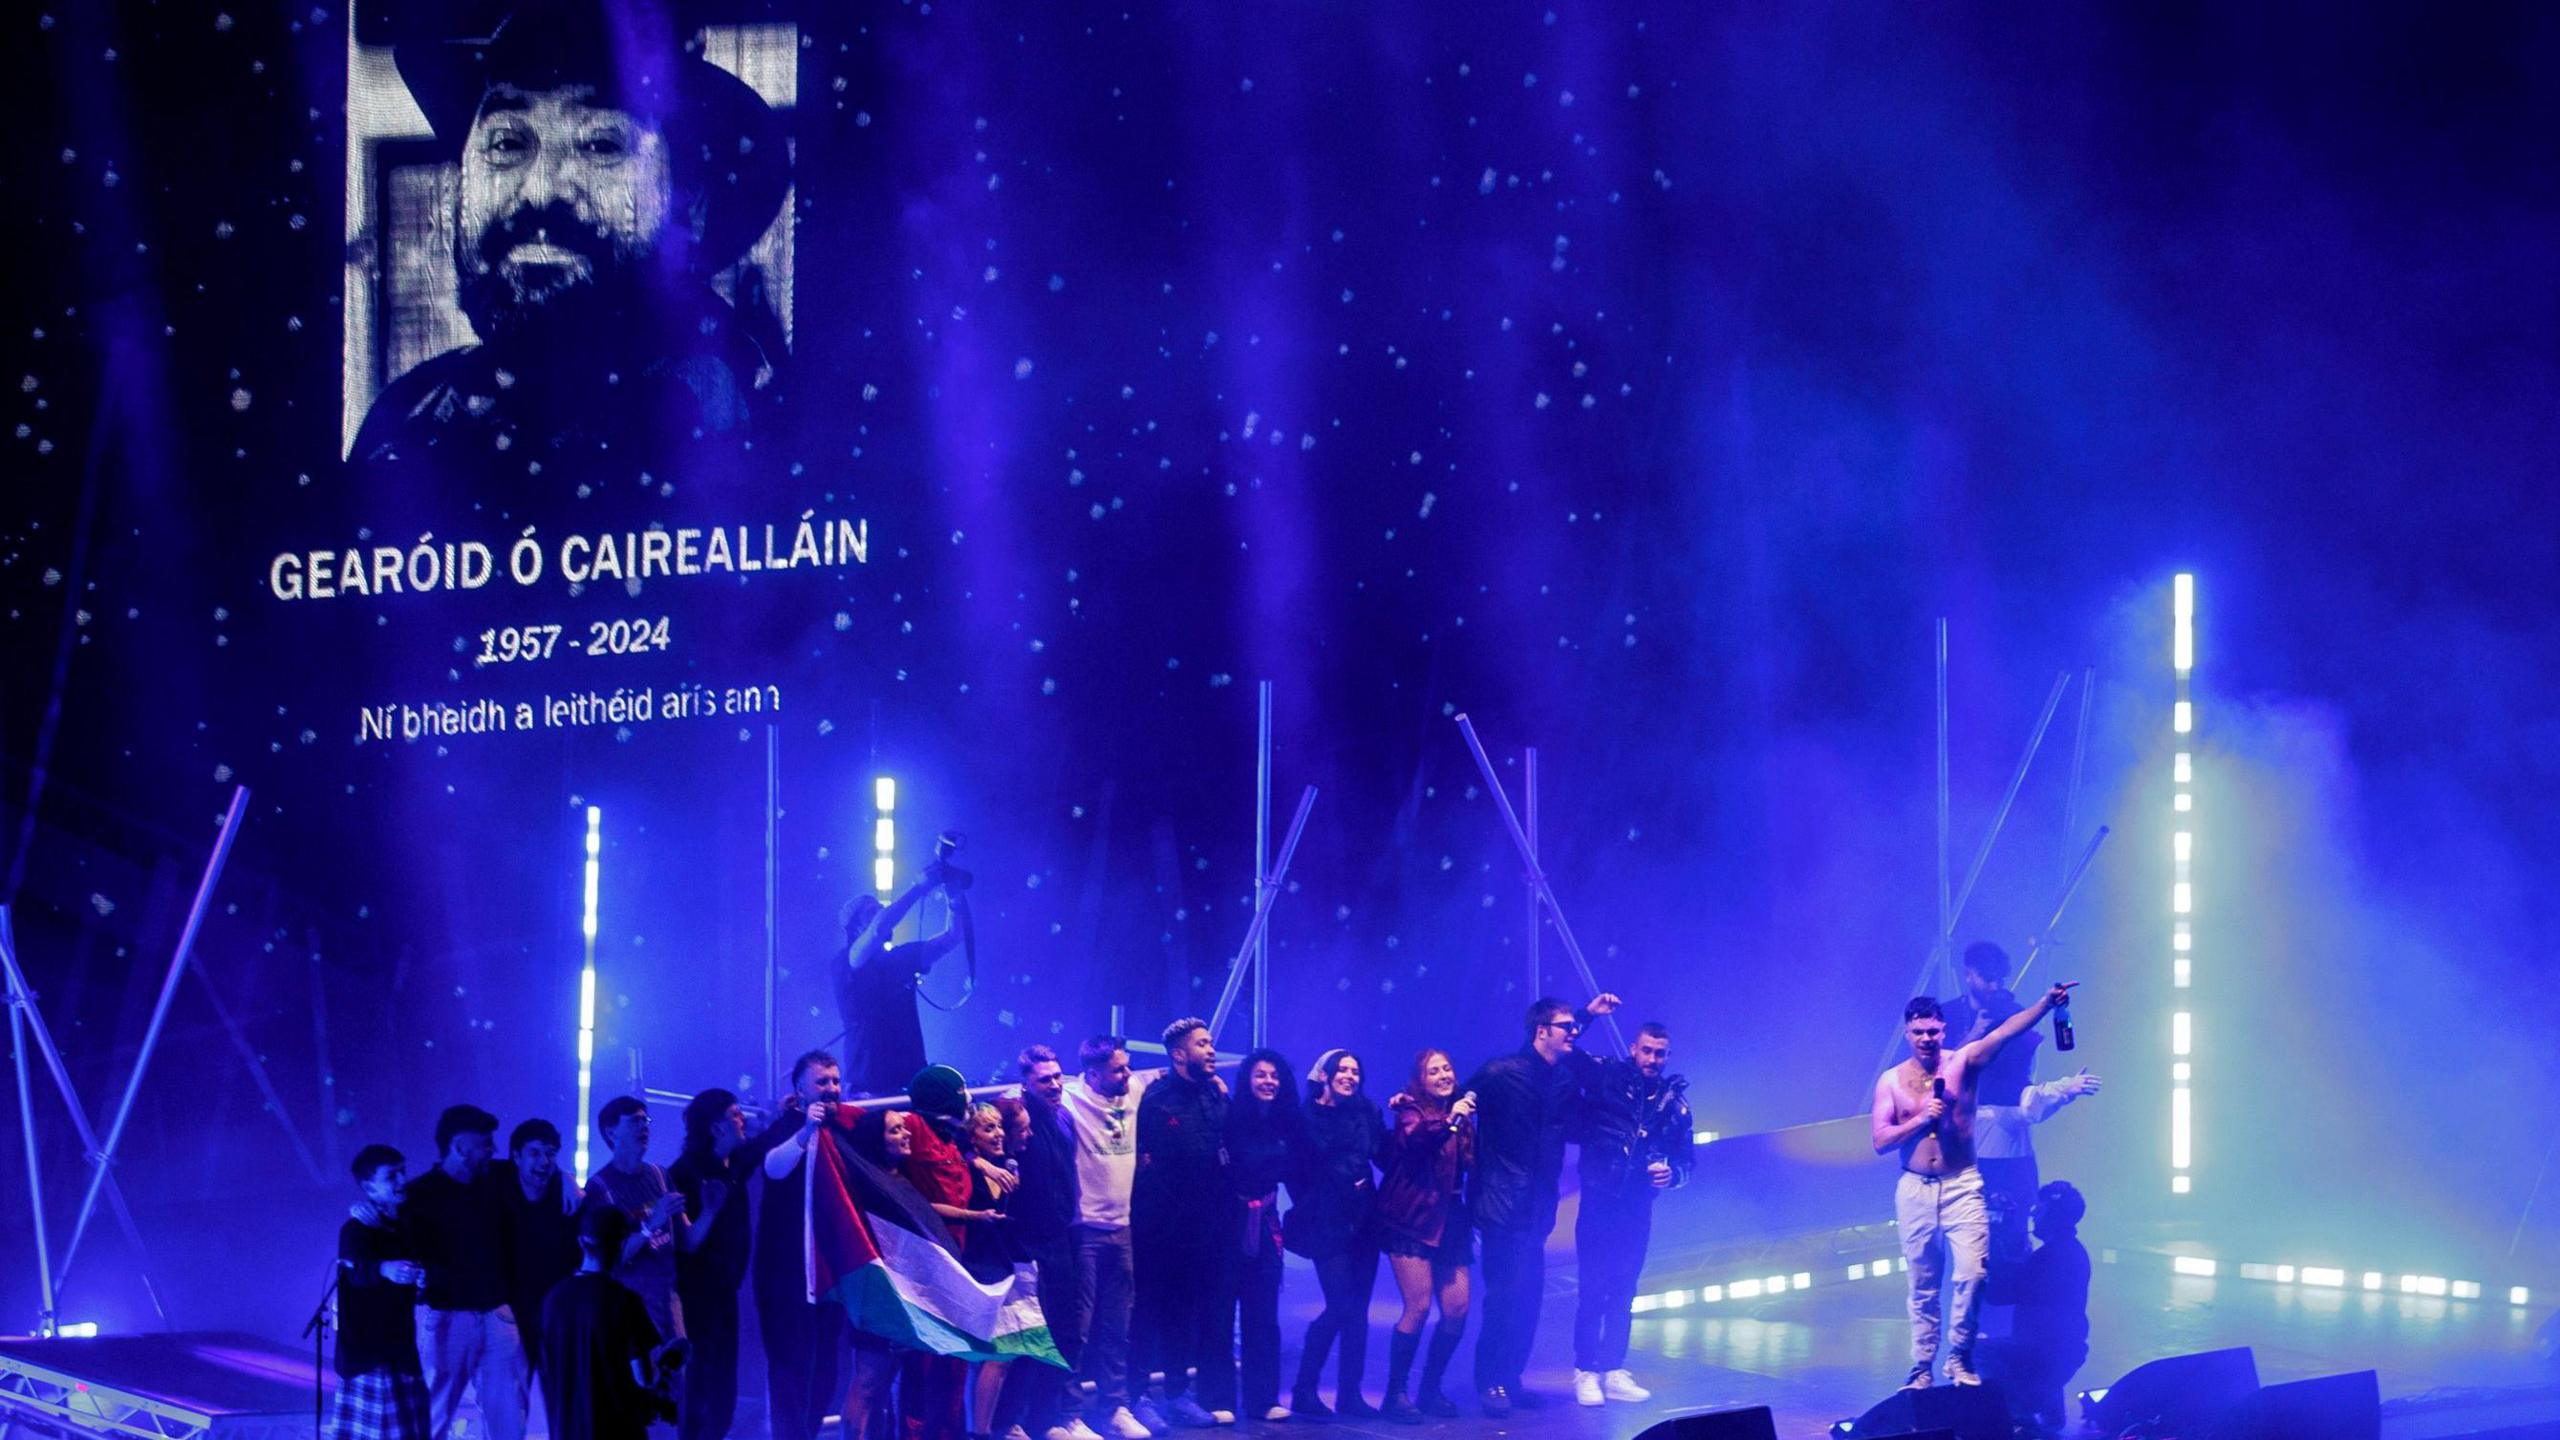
x=606, y=175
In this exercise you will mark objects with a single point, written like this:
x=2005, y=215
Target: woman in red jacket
x=1422, y=1225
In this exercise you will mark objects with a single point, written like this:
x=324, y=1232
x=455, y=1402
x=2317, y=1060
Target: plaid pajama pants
x=380, y=1405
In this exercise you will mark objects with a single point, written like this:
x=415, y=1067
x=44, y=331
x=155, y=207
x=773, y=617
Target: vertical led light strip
x=884, y=833
x=2182, y=889
x=587, y=989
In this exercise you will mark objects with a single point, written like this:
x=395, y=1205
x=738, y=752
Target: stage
x=1816, y=1354
x=1823, y=1355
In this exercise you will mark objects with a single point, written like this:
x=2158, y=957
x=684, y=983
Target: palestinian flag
x=875, y=1247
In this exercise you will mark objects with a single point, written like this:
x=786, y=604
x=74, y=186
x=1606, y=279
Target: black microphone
x=1938, y=1092
x=2063, y=1039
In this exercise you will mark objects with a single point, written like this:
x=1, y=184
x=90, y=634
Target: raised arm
x=1981, y=1051
x=886, y=923
x=923, y=953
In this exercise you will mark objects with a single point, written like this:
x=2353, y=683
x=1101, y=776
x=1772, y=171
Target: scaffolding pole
x=1262, y=870
x=1546, y=889
x=106, y=1156
x=22, y=1003
x=1537, y=907
x=1266, y=895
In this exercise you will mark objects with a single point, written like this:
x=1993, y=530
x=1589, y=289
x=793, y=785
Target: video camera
x=943, y=872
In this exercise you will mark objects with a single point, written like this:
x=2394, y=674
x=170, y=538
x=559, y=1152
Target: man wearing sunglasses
x=1522, y=1102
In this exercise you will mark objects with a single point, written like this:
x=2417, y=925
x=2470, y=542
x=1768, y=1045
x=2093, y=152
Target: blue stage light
x=2182, y=891
x=884, y=833
x=587, y=990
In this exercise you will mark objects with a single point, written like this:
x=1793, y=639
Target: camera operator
x=1636, y=1134
x=876, y=978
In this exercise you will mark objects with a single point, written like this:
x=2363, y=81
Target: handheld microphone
x=2063, y=1039
x=1938, y=1092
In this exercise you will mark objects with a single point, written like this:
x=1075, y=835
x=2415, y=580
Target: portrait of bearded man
x=605, y=177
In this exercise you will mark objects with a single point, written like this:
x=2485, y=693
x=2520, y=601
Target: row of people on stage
x=1149, y=1210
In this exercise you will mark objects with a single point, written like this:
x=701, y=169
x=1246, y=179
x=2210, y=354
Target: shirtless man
x=1924, y=1108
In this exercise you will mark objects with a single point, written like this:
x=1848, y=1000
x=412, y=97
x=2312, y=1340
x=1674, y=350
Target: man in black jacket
x=804, y=1344
x=1636, y=1139
x=468, y=1335
x=1521, y=1103
x=2050, y=1341
x=542, y=1233
x=1185, y=1219
x=718, y=1160
x=1044, y=1211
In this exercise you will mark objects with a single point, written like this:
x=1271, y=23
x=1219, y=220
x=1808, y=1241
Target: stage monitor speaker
x=1968, y=1412
x=2182, y=1392
x=1751, y=1424
x=2333, y=1407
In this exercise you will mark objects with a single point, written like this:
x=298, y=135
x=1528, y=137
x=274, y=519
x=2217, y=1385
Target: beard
x=541, y=277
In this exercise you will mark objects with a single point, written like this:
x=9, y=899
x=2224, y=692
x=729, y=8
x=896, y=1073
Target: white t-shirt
x=1106, y=1131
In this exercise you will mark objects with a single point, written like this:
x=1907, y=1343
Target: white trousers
x=1941, y=1215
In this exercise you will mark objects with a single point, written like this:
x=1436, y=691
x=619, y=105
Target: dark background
x=1641, y=381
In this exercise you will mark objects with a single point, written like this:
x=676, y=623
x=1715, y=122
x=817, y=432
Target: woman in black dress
x=1263, y=1144
x=1336, y=1188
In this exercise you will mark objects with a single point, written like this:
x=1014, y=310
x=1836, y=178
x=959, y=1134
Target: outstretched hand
x=2060, y=994
x=2083, y=1083
x=1602, y=1003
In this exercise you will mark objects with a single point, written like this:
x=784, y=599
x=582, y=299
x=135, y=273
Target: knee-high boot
x=1400, y=1352
x=1444, y=1345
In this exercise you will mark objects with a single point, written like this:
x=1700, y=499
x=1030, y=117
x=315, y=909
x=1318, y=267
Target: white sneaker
x=1222, y=1417
x=1074, y=1429
x=1620, y=1384
x=1016, y=1432
x=1121, y=1425
x=1276, y=1412
x=1586, y=1387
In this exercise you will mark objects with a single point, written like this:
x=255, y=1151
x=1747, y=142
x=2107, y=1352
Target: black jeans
x=1609, y=1240
x=1186, y=1294
x=1035, y=1396
x=2008, y=1197
x=711, y=1373
x=1257, y=1300
x=1346, y=1277
x=2034, y=1376
x=803, y=1357
x=1515, y=1277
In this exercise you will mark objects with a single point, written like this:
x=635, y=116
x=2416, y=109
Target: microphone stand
x=317, y=1328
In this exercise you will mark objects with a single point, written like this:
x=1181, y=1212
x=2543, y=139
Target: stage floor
x=1815, y=1357
x=1825, y=1354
